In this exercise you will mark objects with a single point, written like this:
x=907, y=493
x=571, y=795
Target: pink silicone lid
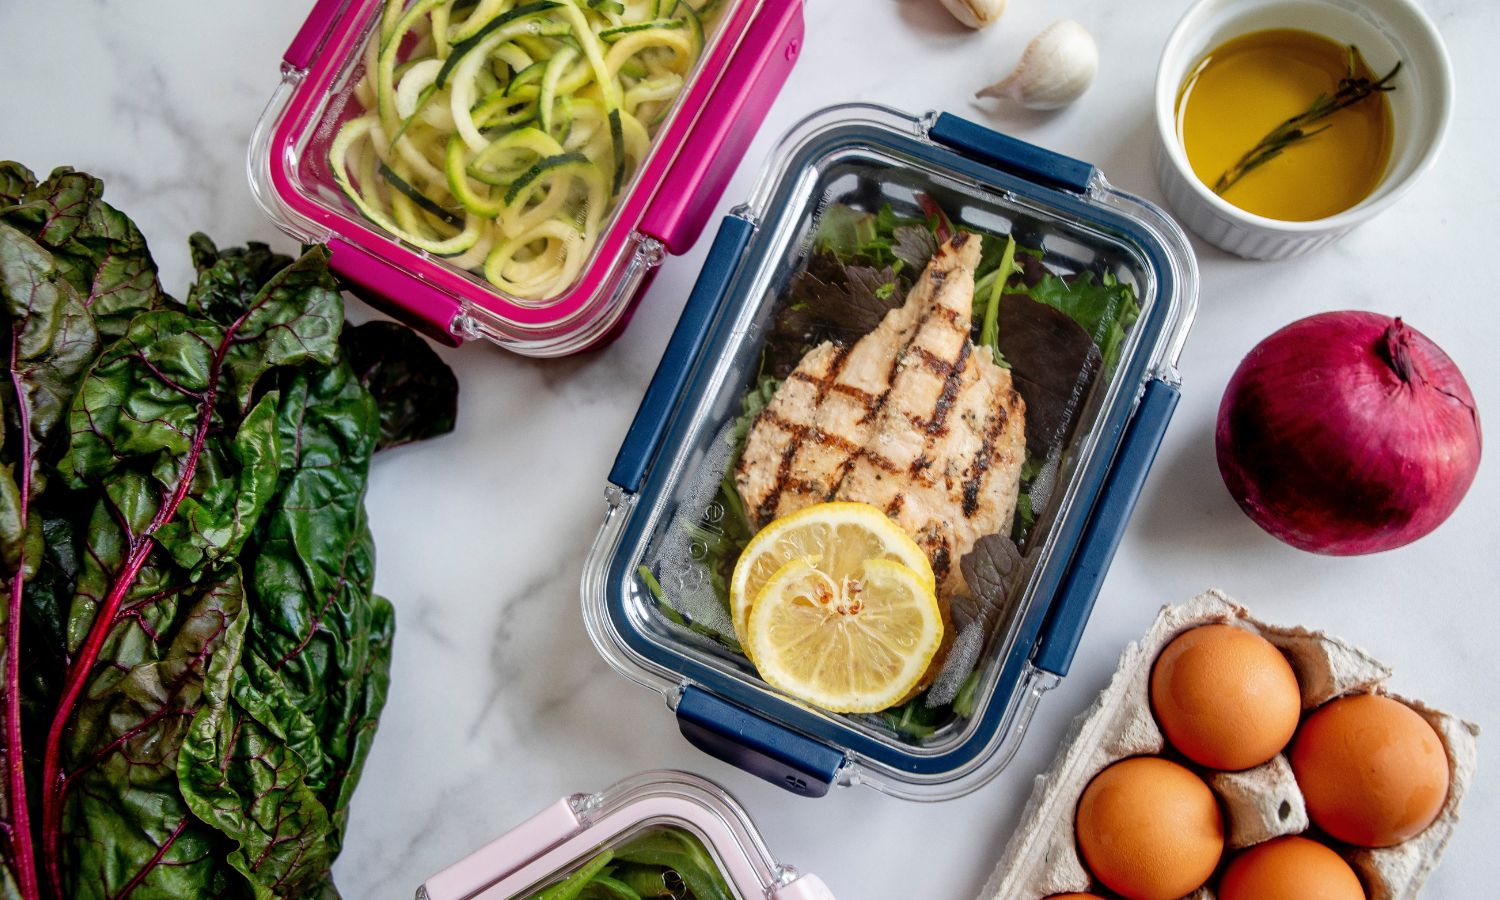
x=571, y=830
x=671, y=197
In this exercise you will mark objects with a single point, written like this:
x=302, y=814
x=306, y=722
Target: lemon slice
x=859, y=643
x=842, y=536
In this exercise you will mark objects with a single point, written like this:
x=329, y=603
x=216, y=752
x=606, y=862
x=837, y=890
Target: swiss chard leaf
x=100, y=251
x=159, y=429
x=417, y=394
x=15, y=181
x=128, y=828
x=51, y=343
x=323, y=633
x=228, y=280
x=295, y=318
x=52, y=340
x=273, y=768
x=204, y=659
x=243, y=771
x=232, y=487
x=161, y=390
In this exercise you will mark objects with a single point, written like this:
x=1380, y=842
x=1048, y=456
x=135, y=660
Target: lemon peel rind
x=834, y=511
x=914, y=666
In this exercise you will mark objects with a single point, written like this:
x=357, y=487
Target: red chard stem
x=22, y=855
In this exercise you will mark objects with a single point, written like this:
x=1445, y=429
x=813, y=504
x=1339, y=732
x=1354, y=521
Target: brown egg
x=1290, y=868
x=1225, y=697
x=1149, y=829
x=1373, y=771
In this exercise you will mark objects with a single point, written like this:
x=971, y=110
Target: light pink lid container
x=565, y=835
x=659, y=213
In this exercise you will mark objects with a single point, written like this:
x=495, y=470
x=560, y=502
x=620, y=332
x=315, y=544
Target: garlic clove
x=975, y=13
x=1058, y=66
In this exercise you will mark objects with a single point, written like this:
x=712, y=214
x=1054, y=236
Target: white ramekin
x=1385, y=31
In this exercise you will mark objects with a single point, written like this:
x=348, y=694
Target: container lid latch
x=1012, y=155
x=741, y=738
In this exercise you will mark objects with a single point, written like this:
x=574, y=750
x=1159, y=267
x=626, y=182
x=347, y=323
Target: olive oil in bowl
x=1286, y=124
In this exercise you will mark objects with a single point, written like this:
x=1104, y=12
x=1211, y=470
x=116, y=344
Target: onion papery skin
x=1348, y=433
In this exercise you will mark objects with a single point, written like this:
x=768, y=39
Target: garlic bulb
x=976, y=13
x=1057, y=67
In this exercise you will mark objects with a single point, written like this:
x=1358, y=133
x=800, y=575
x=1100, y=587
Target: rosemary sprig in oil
x=1353, y=88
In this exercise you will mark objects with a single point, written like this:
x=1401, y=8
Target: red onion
x=1348, y=433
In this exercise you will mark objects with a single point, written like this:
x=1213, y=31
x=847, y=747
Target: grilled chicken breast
x=912, y=418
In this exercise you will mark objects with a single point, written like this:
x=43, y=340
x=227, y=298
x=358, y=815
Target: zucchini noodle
x=498, y=133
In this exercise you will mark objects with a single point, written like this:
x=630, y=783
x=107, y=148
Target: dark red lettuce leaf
x=1053, y=361
x=991, y=569
x=830, y=301
x=1103, y=307
x=915, y=246
x=1033, y=270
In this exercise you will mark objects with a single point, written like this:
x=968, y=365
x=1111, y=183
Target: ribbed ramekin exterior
x=1240, y=238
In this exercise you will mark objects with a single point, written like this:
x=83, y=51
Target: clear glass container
x=749, y=50
x=598, y=832
x=664, y=479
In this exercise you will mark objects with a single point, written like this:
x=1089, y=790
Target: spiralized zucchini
x=499, y=133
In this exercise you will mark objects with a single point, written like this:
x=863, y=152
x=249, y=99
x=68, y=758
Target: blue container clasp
x=666, y=387
x=1106, y=526
x=1011, y=155
x=741, y=738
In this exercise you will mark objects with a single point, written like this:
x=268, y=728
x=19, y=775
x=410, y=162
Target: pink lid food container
x=679, y=160
x=589, y=836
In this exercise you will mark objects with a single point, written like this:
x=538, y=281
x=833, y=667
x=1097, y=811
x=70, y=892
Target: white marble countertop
x=499, y=704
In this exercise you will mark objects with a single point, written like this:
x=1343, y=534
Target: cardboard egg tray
x=1258, y=804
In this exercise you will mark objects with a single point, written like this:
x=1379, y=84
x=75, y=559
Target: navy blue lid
x=725, y=709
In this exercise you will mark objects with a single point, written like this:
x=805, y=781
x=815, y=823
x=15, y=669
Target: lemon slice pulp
x=841, y=536
x=855, y=643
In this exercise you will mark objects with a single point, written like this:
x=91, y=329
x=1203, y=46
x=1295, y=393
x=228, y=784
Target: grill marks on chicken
x=911, y=418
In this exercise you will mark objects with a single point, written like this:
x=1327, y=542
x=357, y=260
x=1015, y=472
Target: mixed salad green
x=1056, y=333
x=663, y=862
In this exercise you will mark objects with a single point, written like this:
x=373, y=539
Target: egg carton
x=1258, y=804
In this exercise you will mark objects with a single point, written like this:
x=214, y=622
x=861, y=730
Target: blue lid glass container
x=870, y=158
